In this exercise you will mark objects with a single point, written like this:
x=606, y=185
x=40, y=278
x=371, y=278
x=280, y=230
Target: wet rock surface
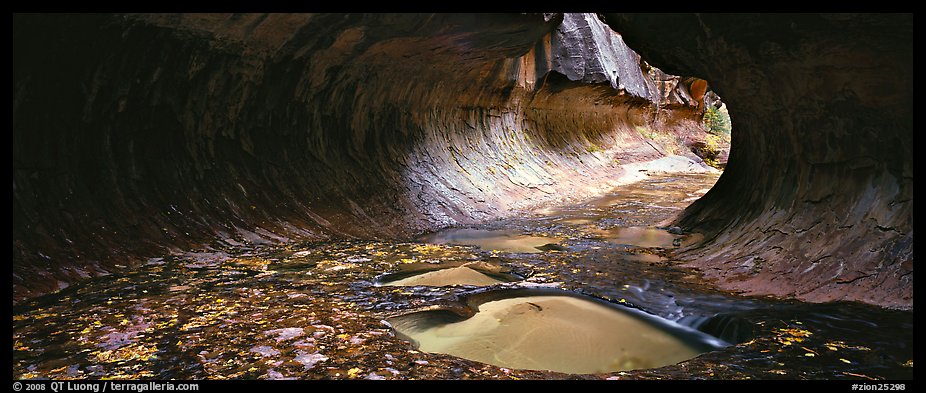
x=313, y=310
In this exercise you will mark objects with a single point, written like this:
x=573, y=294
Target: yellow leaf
x=810, y=355
x=845, y=361
x=18, y=345
x=809, y=350
x=219, y=300
x=353, y=372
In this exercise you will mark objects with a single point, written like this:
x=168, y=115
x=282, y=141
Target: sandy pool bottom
x=489, y=240
x=559, y=333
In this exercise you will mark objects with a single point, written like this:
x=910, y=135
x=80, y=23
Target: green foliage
x=717, y=121
x=646, y=132
x=718, y=126
x=711, y=150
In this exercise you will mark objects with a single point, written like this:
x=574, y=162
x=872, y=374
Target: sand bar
x=460, y=275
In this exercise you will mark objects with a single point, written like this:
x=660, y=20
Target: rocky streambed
x=344, y=310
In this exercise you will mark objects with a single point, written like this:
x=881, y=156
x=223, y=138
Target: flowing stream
x=587, y=290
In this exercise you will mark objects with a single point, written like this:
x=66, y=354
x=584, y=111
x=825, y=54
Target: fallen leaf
x=859, y=375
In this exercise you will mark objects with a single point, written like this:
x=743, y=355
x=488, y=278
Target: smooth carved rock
x=174, y=131
x=819, y=181
x=137, y=135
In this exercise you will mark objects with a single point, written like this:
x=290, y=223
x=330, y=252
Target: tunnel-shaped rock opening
x=202, y=132
x=817, y=200
x=231, y=164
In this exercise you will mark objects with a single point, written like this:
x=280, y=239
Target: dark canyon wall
x=817, y=198
x=135, y=135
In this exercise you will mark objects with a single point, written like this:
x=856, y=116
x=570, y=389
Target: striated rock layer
x=135, y=135
x=139, y=134
x=817, y=199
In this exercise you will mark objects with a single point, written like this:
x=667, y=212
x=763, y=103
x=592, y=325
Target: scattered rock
x=286, y=333
x=265, y=351
x=309, y=359
x=551, y=247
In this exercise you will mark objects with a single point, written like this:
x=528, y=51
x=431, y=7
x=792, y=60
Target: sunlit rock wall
x=139, y=135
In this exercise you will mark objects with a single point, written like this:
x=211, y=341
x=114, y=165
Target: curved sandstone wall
x=135, y=135
x=817, y=199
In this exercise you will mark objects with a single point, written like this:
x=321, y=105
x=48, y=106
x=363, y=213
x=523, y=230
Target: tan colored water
x=638, y=236
x=507, y=241
x=559, y=333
